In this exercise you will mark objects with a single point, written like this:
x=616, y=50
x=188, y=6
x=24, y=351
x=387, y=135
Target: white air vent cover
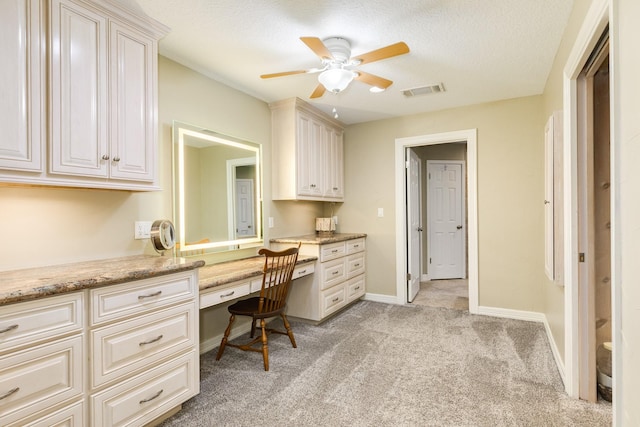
x=423, y=90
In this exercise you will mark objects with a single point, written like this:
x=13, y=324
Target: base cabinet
x=339, y=279
x=112, y=356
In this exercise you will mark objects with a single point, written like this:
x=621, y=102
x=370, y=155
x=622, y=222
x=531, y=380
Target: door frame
x=593, y=26
x=463, y=209
x=410, y=199
x=232, y=164
x=468, y=136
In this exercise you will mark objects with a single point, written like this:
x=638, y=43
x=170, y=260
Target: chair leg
x=253, y=328
x=289, y=331
x=265, y=346
x=223, y=343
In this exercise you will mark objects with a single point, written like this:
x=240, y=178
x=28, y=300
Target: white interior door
x=245, y=223
x=414, y=222
x=445, y=199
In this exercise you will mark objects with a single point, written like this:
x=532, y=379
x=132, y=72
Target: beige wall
x=510, y=188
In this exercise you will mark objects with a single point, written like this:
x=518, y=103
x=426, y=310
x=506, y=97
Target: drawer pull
x=155, y=294
x=336, y=299
x=227, y=295
x=151, y=341
x=152, y=397
x=334, y=251
x=9, y=328
x=302, y=272
x=335, y=272
x=9, y=393
x=356, y=246
x=357, y=265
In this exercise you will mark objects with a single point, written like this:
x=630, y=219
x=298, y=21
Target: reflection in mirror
x=217, y=191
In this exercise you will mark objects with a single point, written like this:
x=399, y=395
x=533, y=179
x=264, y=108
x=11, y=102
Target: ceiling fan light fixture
x=336, y=79
x=376, y=89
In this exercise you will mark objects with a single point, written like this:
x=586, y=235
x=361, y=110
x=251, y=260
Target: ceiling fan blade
x=399, y=48
x=373, y=80
x=318, y=92
x=316, y=45
x=285, y=73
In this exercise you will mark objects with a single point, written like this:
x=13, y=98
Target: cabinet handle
x=335, y=272
x=9, y=393
x=334, y=251
x=356, y=265
x=356, y=246
x=151, y=341
x=302, y=272
x=9, y=328
x=336, y=299
x=116, y=159
x=105, y=157
x=152, y=397
x=227, y=295
x=335, y=188
x=357, y=287
x=155, y=294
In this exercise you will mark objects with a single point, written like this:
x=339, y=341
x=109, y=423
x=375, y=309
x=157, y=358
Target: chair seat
x=249, y=307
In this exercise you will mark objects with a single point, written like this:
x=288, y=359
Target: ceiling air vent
x=423, y=90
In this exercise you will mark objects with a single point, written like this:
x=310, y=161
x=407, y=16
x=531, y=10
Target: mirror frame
x=180, y=130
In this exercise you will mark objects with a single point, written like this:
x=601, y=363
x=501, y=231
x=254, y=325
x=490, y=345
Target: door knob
x=459, y=227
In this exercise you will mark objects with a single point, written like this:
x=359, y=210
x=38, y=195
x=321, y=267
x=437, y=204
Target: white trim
x=555, y=350
x=387, y=299
x=593, y=25
x=530, y=316
x=470, y=137
x=232, y=164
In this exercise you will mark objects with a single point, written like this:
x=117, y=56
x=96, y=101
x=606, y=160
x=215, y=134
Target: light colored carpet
x=387, y=365
x=451, y=293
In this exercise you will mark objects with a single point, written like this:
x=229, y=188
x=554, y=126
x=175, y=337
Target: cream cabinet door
x=132, y=104
x=310, y=146
x=78, y=90
x=21, y=85
x=334, y=187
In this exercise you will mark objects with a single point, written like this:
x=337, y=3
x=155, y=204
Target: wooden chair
x=191, y=252
x=276, y=279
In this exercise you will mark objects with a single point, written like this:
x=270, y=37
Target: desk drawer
x=355, y=288
x=41, y=377
x=118, y=301
x=145, y=397
x=332, y=273
x=303, y=270
x=332, y=299
x=27, y=322
x=355, y=265
x=228, y=293
x=69, y=416
x=122, y=348
x=355, y=245
x=332, y=251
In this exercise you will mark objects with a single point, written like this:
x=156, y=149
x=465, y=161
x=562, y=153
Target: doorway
x=469, y=139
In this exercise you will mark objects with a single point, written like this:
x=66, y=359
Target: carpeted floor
x=387, y=365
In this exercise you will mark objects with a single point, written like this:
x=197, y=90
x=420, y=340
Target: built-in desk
x=229, y=280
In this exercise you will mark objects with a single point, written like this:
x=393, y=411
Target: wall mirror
x=217, y=191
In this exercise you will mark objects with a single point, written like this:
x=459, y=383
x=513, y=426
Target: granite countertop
x=319, y=238
x=32, y=283
x=223, y=273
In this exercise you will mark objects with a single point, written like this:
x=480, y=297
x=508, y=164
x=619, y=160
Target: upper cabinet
x=307, y=153
x=22, y=86
x=102, y=109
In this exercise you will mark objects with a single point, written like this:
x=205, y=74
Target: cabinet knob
x=105, y=157
x=116, y=159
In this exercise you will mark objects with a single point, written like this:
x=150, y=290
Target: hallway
x=452, y=293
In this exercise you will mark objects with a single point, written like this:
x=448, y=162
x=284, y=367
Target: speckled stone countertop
x=319, y=238
x=223, y=273
x=32, y=283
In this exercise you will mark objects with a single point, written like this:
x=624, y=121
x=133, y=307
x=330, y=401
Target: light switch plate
x=380, y=212
x=142, y=229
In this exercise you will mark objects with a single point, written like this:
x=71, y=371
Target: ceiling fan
x=337, y=69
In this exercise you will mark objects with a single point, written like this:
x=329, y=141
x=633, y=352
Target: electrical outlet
x=270, y=222
x=142, y=229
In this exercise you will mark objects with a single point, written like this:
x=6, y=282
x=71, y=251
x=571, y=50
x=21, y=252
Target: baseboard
x=387, y=299
x=555, y=351
x=425, y=278
x=531, y=316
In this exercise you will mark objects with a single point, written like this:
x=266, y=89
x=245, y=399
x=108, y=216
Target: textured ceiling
x=482, y=50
